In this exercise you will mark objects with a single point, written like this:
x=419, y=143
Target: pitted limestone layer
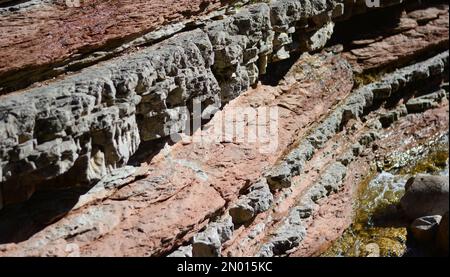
x=85, y=125
x=93, y=122
x=184, y=187
x=290, y=233
x=46, y=53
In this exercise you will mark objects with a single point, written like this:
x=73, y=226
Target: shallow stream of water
x=379, y=228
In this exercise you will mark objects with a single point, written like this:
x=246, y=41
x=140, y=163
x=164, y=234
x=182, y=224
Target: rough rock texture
x=416, y=33
x=66, y=144
x=238, y=42
x=68, y=32
x=182, y=252
x=36, y=50
x=90, y=123
x=307, y=220
x=78, y=129
x=209, y=242
x=258, y=200
x=425, y=102
x=336, y=210
x=291, y=224
x=71, y=42
x=178, y=181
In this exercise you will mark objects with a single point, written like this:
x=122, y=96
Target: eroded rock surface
x=416, y=33
x=82, y=137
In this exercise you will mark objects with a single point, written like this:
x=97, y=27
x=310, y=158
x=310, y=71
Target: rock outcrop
x=425, y=196
x=71, y=32
x=82, y=127
x=416, y=33
x=426, y=204
x=76, y=176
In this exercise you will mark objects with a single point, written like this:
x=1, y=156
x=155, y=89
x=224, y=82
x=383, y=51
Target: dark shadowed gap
x=9, y=3
x=18, y=222
x=278, y=70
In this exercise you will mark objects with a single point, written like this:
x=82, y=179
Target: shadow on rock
x=19, y=222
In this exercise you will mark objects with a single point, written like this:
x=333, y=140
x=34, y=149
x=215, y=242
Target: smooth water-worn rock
x=425, y=195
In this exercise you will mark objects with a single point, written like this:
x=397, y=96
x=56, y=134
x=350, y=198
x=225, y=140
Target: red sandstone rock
x=186, y=185
x=406, y=45
x=51, y=33
x=336, y=210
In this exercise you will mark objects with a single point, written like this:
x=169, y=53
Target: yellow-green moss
x=432, y=163
x=366, y=78
x=391, y=241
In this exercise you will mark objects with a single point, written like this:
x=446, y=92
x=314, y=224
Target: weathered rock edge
x=72, y=38
x=185, y=185
x=95, y=221
x=290, y=232
x=293, y=229
x=78, y=129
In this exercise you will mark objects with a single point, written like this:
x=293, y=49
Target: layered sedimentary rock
x=147, y=237
x=213, y=193
x=93, y=121
x=417, y=33
x=74, y=28
x=78, y=35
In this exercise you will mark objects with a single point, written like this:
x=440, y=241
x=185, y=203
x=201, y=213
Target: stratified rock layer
x=78, y=129
x=212, y=193
x=217, y=167
x=416, y=33
x=30, y=43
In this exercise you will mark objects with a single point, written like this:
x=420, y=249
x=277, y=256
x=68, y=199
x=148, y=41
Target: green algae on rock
x=379, y=229
x=376, y=199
